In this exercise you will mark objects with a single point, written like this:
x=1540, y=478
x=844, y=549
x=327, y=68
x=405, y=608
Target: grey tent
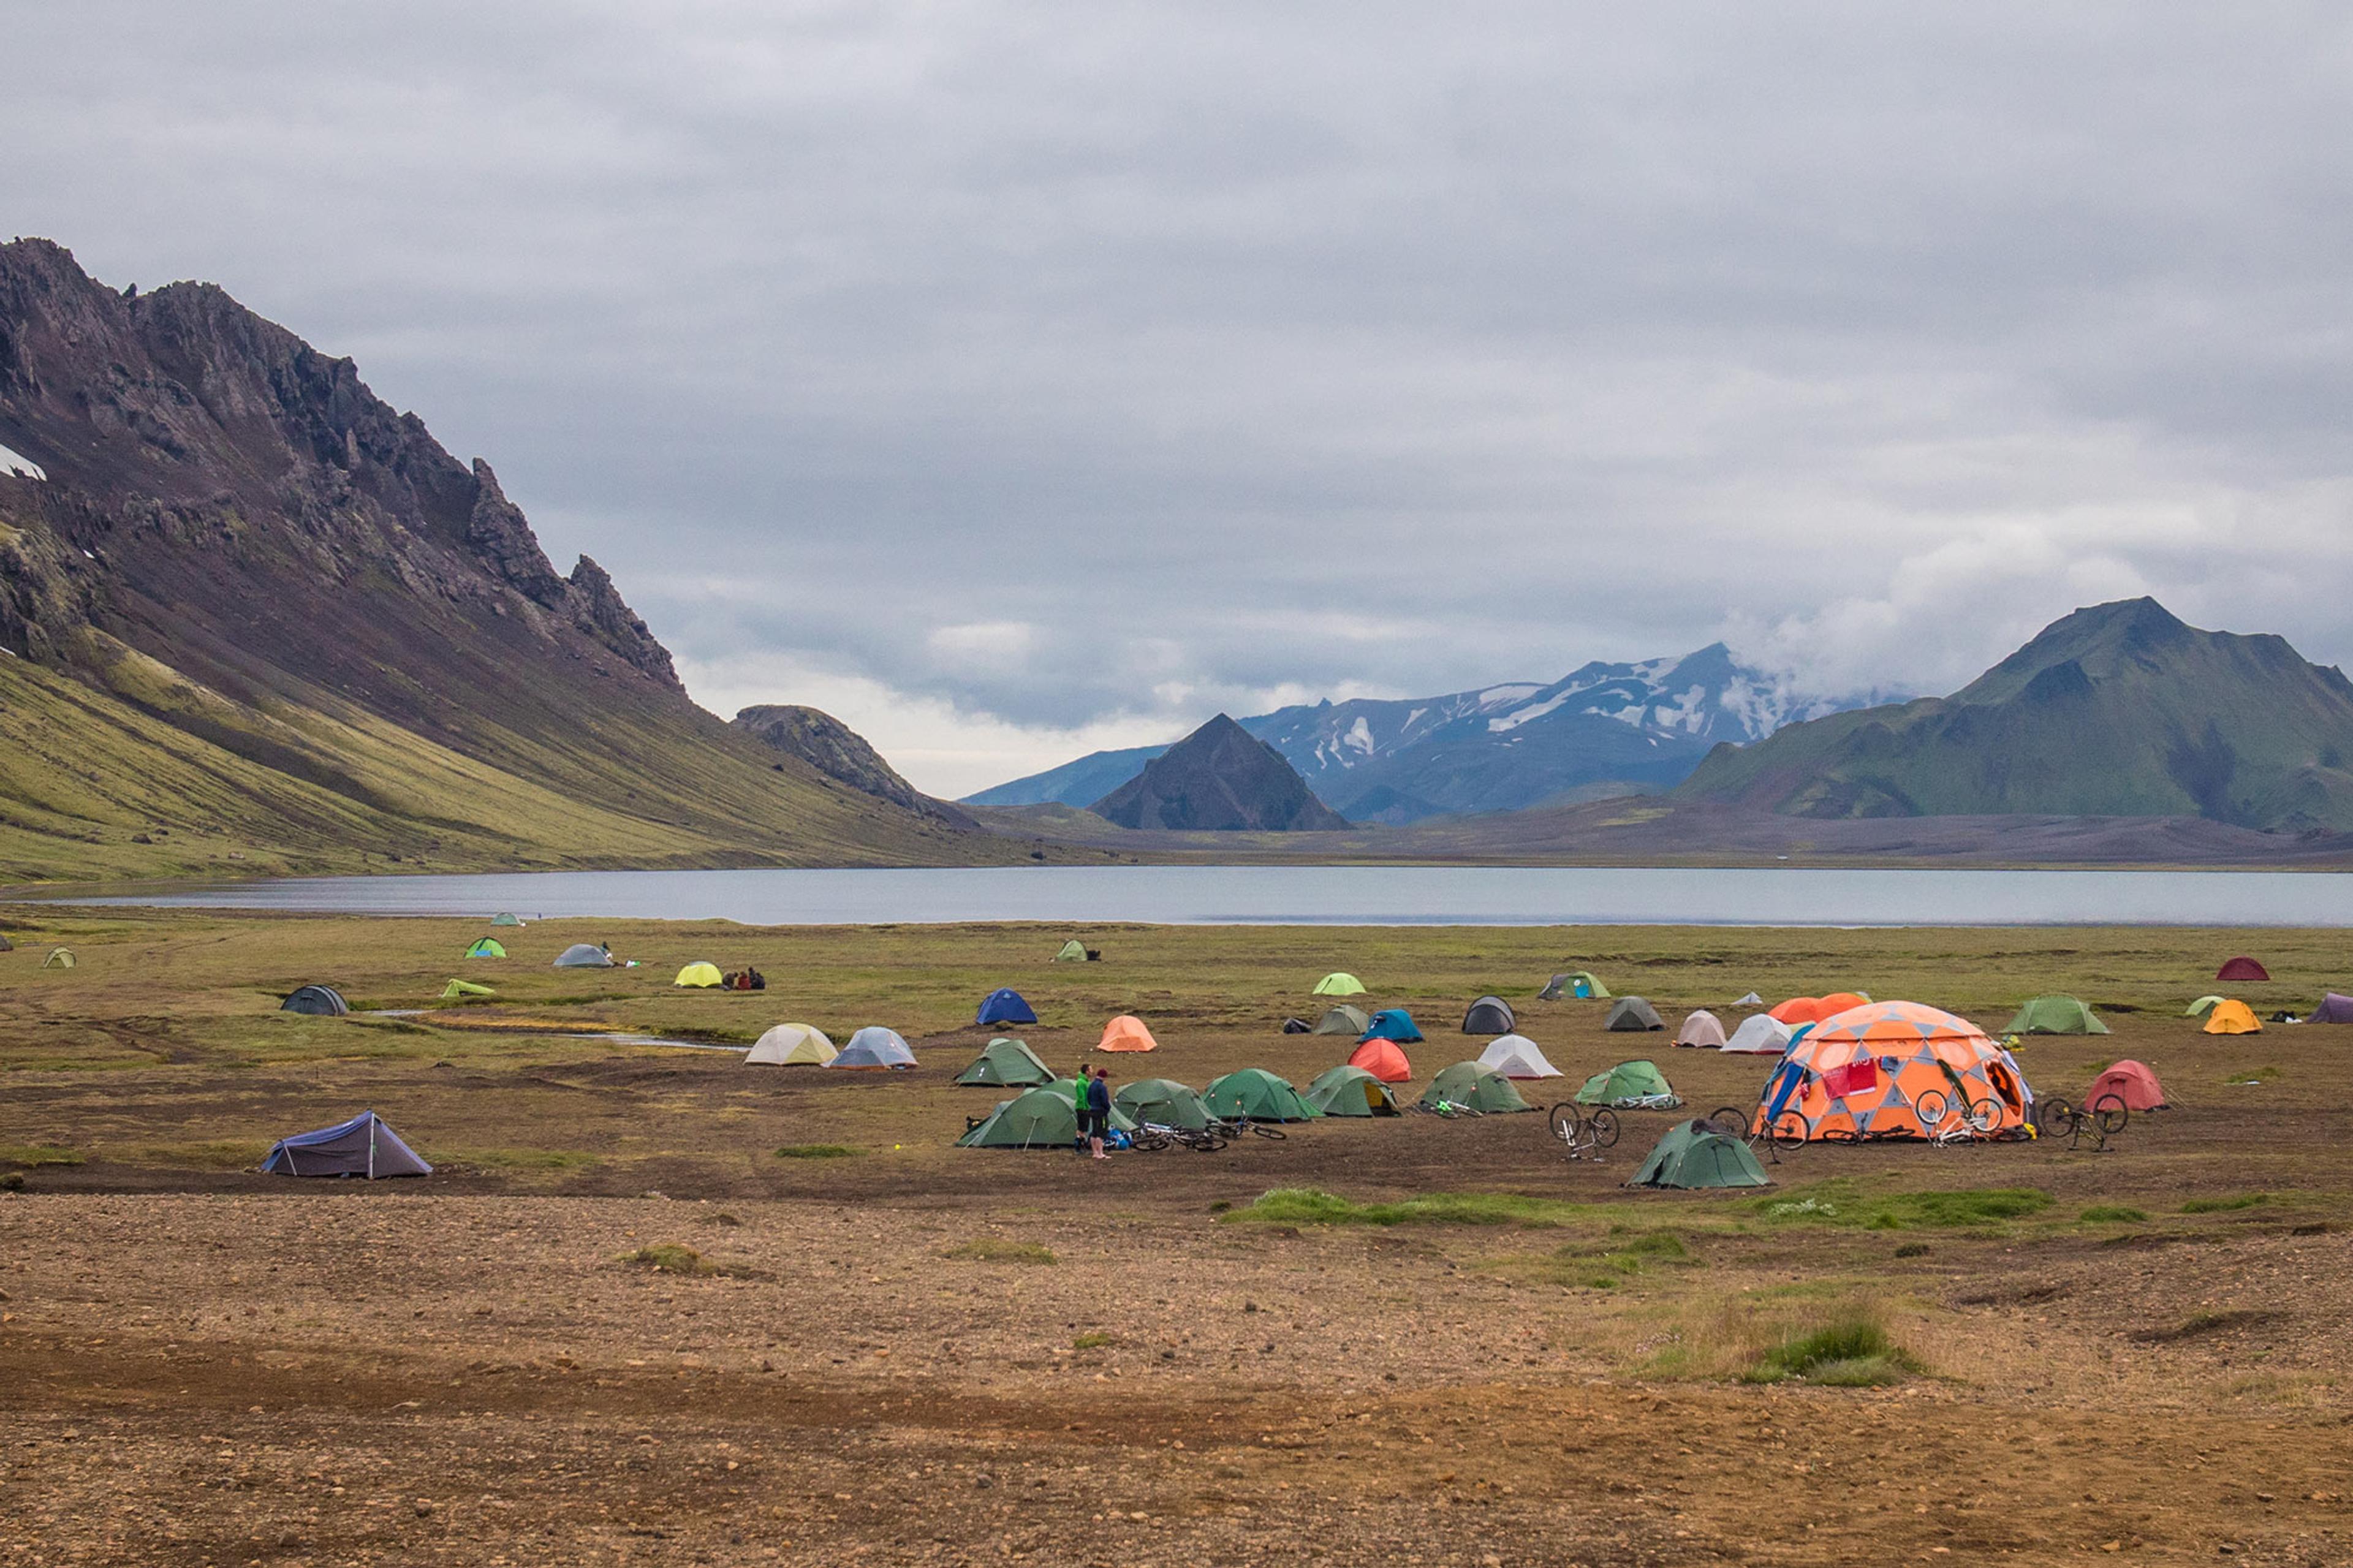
x=318, y=1001
x=5, y=945
x=875, y=1048
x=1751, y=1000
x=583, y=955
x=364, y=1146
x=1631, y=1014
x=1344, y=1020
x=1489, y=1015
x=1297, y=1026
x=1703, y=1029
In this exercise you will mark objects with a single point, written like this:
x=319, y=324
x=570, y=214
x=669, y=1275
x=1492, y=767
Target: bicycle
x=1449, y=1108
x=1231, y=1127
x=1152, y=1137
x=2055, y=1118
x=1582, y=1137
x=1942, y=1121
x=1732, y=1121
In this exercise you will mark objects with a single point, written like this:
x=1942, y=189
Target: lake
x=1327, y=895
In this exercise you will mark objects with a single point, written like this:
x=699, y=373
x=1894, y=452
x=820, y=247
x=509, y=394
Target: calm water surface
x=1330, y=895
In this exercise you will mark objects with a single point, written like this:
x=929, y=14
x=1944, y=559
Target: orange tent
x=1838, y=1002
x=1799, y=1010
x=2130, y=1081
x=1126, y=1033
x=2231, y=1017
x=1383, y=1060
x=1892, y=1069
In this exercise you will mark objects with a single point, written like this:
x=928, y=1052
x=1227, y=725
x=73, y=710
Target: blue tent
x=364, y=1146
x=1391, y=1023
x=1004, y=1007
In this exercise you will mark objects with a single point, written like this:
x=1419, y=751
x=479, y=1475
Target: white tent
x=792, y=1046
x=874, y=1048
x=1761, y=1035
x=1751, y=1000
x=1703, y=1029
x=1516, y=1055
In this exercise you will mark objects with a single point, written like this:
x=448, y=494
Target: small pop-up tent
x=457, y=989
x=2231, y=1017
x=2200, y=1008
x=1631, y=1014
x=1258, y=1094
x=1339, y=984
x=1005, y=1063
x=1004, y=1005
x=1071, y=951
x=1385, y=1059
x=1126, y=1033
x=2333, y=1009
x=61, y=957
x=1163, y=1101
x=2243, y=968
x=699, y=976
x=1297, y=1026
x=1751, y=1000
x=1576, y=983
x=318, y=1001
x=2055, y=1015
x=1629, y=1084
x=1482, y=1088
x=1693, y=1155
x=1760, y=1034
x=583, y=955
x=1343, y=1020
x=364, y=1146
x=1043, y=1118
x=1345, y=1090
x=874, y=1048
x=1703, y=1029
x=1392, y=1024
x=1516, y=1055
x=504, y=918
x=791, y=1045
x=1489, y=1015
x=2130, y=1081
x=486, y=947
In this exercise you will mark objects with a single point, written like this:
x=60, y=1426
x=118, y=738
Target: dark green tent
x=1044, y=1118
x=1344, y=1020
x=1480, y=1088
x=1628, y=1084
x=1258, y=1094
x=2055, y=1015
x=1163, y=1100
x=1349, y=1090
x=1692, y=1156
x=1008, y=1063
x=1630, y=1014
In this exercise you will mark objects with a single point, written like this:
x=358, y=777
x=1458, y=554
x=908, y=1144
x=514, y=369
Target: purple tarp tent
x=364, y=1146
x=2333, y=1009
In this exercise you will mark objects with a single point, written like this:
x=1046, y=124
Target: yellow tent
x=2232, y=1017
x=702, y=974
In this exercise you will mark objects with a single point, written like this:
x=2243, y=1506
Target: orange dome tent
x=2130, y=1081
x=1799, y=1010
x=1385, y=1059
x=2231, y=1017
x=1126, y=1033
x=1892, y=1069
x=1838, y=1002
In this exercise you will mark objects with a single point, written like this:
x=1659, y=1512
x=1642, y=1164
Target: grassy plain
x=657, y=1307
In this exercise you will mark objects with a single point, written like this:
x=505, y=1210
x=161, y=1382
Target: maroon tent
x=2333, y=1009
x=2243, y=968
x=2130, y=1081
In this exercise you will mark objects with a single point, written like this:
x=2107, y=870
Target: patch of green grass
x=991, y=1249
x=1854, y=1352
x=1839, y=1202
x=817, y=1152
x=33, y=1155
x=1091, y=1341
x=1313, y=1206
x=2225, y=1205
x=1603, y=1265
x=2113, y=1214
x=668, y=1258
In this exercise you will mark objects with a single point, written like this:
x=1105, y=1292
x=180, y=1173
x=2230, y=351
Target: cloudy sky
x=1017, y=379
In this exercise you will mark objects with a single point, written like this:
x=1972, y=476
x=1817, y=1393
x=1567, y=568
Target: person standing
x=1099, y=1110
x=1079, y=1114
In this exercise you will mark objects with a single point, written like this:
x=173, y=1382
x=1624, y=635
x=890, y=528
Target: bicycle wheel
x=1983, y=1117
x=1790, y=1131
x=1268, y=1129
x=2053, y=1118
x=1206, y=1145
x=1149, y=1142
x=2111, y=1113
x=1605, y=1129
x=1563, y=1119
x=1728, y=1120
x=1930, y=1107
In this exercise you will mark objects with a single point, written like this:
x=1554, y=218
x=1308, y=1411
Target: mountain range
x=1608, y=729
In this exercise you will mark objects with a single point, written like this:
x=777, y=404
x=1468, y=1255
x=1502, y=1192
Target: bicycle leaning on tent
x=1152, y=1137
x=1582, y=1135
x=2055, y=1118
x=1788, y=1133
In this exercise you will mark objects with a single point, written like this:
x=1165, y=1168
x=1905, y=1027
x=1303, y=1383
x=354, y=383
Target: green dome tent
x=1347, y=1091
x=1692, y=1156
x=1071, y=951
x=1631, y=1014
x=61, y=957
x=1338, y=983
x=2054, y=1016
x=486, y=948
x=1005, y=1063
x=1576, y=983
x=456, y=988
x=1343, y=1020
x=1163, y=1100
x=504, y=919
x=1044, y=1118
x=1629, y=1084
x=2200, y=1008
x=1480, y=1088
x=1258, y=1094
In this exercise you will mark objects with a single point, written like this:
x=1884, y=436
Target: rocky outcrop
x=1219, y=777
x=838, y=751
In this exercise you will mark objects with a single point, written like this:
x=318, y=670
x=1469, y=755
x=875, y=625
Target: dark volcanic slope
x=341, y=641
x=1219, y=778
x=2117, y=710
x=838, y=751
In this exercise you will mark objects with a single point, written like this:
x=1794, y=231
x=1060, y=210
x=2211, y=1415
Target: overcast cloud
x=1016, y=379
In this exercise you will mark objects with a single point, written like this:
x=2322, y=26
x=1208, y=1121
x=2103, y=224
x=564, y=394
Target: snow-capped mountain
x=1606, y=728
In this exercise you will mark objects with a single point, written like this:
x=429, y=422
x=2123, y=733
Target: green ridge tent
x=1480, y=1088
x=2200, y=1008
x=1691, y=1157
x=61, y=957
x=1630, y=1014
x=2054, y=1016
x=486, y=948
x=456, y=988
x=1343, y=1020
x=1043, y=1118
x=1626, y=1084
x=1163, y=1100
x=504, y=919
x=1337, y=984
x=1347, y=1091
x=1258, y=1094
x=1005, y=1063
x=1578, y=982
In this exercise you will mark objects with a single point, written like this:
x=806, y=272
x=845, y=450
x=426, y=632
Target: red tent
x=1383, y=1060
x=2130, y=1081
x=2243, y=968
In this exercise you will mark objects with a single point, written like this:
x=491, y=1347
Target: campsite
x=657, y=1304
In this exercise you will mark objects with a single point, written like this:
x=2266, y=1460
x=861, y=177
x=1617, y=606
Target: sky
x=1013, y=380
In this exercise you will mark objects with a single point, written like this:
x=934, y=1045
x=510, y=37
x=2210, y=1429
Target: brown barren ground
x=917, y=1353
